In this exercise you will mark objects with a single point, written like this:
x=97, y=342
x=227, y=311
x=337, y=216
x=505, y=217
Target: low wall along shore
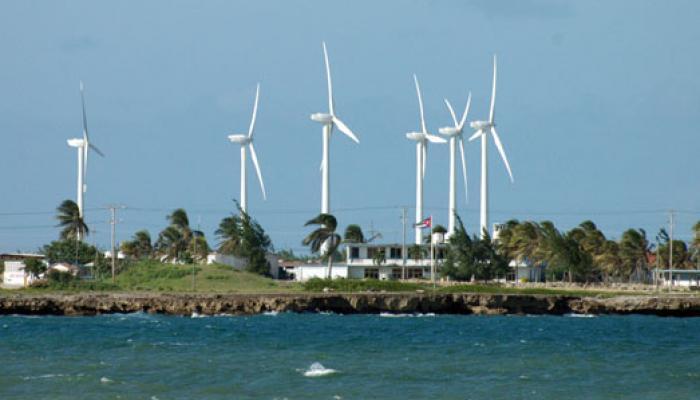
x=368, y=303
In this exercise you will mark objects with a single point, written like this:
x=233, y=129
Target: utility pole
x=670, y=255
x=113, y=222
x=403, y=245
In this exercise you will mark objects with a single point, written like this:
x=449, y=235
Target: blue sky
x=598, y=108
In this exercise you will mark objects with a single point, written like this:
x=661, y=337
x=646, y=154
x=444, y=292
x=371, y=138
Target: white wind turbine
x=482, y=129
x=455, y=135
x=247, y=140
x=329, y=120
x=421, y=138
x=83, y=146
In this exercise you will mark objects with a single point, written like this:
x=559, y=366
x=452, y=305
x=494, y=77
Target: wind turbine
x=455, y=135
x=421, y=138
x=247, y=140
x=482, y=130
x=329, y=120
x=83, y=146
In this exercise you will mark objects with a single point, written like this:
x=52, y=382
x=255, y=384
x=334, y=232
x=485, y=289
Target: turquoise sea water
x=139, y=356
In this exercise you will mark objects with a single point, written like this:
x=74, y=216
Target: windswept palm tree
x=324, y=239
x=70, y=220
x=139, y=246
x=178, y=239
x=633, y=252
x=230, y=233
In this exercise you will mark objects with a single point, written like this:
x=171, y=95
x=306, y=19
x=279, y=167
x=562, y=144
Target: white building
x=680, y=277
x=14, y=276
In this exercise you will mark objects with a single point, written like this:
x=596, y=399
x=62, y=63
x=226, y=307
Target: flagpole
x=432, y=252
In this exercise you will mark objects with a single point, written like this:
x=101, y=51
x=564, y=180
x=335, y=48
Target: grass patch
x=357, y=285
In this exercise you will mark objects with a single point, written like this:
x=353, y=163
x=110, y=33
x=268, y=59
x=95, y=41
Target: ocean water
x=327, y=356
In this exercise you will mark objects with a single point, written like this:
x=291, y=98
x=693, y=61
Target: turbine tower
x=247, y=140
x=83, y=146
x=455, y=135
x=482, y=130
x=329, y=120
x=421, y=138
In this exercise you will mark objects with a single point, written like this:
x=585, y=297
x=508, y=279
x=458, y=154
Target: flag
x=426, y=223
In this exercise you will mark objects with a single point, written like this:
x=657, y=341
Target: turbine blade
x=475, y=136
x=255, y=112
x=466, y=111
x=452, y=112
x=420, y=105
x=98, y=151
x=499, y=145
x=344, y=128
x=82, y=101
x=464, y=168
x=492, y=113
x=254, y=156
x=425, y=157
x=435, y=139
x=328, y=77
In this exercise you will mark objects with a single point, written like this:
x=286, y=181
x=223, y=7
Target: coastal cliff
x=351, y=303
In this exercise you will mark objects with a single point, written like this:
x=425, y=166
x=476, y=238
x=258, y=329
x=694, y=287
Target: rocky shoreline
x=350, y=303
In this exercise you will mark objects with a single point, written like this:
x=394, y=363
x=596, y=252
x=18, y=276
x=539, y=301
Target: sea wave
x=574, y=315
x=317, y=369
x=401, y=315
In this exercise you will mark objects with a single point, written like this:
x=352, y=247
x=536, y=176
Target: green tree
x=695, y=246
x=681, y=256
x=473, y=257
x=139, y=247
x=178, y=240
x=71, y=221
x=323, y=239
x=242, y=236
x=353, y=234
x=34, y=267
x=634, y=247
x=69, y=251
x=379, y=257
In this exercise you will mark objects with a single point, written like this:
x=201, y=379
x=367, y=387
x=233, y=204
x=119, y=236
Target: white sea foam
x=573, y=315
x=44, y=376
x=198, y=315
x=271, y=313
x=400, y=315
x=104, y=379
x=317, y=369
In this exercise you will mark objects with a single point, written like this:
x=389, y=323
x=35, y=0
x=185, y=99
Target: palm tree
x=178, y=239
x=633, y=252
x=70, y=220
x=139, y=246
x=353, y=234
x=323, y=239
x=230, y=233
x=379, y=257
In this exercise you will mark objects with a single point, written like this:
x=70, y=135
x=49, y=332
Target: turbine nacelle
x=240, y=139
x=481, y=125
x=450, y=131
x=323, y=118
x=417, y=136
x=76, y=142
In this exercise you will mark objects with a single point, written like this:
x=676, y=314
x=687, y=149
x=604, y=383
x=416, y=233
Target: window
x=371, y=251
x=440, y=254
x=396, y=273
x=354, y=252
x=371, y=273
x=395, y=253
x=414, y=273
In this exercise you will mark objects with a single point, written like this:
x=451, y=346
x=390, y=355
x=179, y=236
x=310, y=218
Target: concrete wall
x=240, y=263
x=303, y=273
